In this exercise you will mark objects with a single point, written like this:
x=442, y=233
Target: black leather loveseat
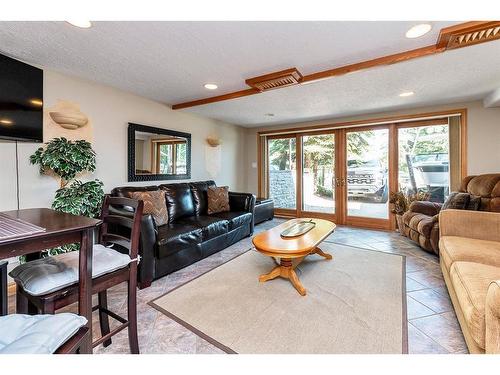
x=191, y=234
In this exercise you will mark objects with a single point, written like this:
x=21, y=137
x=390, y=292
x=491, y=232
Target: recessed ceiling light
x=418, y=30
x=37, y=102
x=5, y=121
x=406, y=93
x=80, y=23
x=210, y=86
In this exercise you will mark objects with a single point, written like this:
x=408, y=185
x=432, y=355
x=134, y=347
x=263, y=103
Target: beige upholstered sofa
x=469, y=248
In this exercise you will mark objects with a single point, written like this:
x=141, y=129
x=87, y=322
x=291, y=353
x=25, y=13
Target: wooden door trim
x=298, y=173
x=463, y=146
x=393, y=174
x=341, y=172
x=367, y=222
x=380, y=121
x=260, y=172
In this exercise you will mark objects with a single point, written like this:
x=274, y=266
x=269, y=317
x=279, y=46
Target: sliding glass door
x=282, y=172
x=346, y=175
x=367, y=171
x=318, y=173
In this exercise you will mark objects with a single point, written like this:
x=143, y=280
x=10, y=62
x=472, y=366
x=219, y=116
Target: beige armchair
x=470, y=260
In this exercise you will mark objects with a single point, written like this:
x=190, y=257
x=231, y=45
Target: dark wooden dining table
x=60, y=229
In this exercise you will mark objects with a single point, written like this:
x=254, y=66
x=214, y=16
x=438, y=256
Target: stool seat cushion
x=49, y=274
x=37, y=334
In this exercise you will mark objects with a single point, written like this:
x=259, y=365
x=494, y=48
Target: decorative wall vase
x=65, y=119
x=213, y=141
x=69, y=120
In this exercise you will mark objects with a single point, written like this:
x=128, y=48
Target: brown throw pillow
x=457, y=201
x=154, y=204
x=218, y=199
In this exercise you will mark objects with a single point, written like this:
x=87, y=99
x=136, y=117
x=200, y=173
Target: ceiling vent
x=276, y=80
x=478, y=32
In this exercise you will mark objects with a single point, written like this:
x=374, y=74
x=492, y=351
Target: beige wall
x=483, y=141
x=110, y=110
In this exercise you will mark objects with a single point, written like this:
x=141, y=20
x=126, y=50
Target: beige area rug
x=355, y=303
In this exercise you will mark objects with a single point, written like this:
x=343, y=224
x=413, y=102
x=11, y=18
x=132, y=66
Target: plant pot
x=400, y=225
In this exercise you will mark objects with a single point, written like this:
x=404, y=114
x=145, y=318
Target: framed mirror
x=158, y=154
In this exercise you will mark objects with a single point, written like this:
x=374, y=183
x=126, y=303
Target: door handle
x=337, y=182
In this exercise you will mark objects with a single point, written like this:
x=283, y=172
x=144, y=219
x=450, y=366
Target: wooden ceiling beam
x=214, y=99
x=457, y=36
x=384, y=60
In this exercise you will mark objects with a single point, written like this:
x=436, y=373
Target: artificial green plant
x=66, y=160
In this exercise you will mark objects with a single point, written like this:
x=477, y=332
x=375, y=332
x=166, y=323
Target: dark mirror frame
x=132, y=128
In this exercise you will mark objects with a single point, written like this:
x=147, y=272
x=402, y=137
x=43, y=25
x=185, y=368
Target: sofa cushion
x=199, y=190
x=175, y=237
x=37, y=334
x=420, y=223
x=218, y=199
x=470, y=282
x=154, y=204
x=461, y=249
x=236, y=219
x=49, y=274
x=126, y=191
x=456, y=201
x=211, y=226
x=179, y=201
x=426, y=224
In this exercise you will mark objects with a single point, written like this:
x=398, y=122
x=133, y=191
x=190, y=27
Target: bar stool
x=50, y=283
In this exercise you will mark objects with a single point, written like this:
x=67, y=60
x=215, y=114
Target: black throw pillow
x=474, y=203
x=457, y=201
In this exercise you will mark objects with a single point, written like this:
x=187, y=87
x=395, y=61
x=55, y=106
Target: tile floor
x=432, y=324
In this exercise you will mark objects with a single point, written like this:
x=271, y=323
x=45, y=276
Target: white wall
x=110, y=110
x=483, y=137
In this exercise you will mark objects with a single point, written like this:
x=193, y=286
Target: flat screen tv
x=21, y=101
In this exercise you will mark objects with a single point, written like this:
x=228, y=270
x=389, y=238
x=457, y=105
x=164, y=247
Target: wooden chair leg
x=3, y=289
x=132, y=315
x=103, y=317
x=21, y=303
x=48, y=308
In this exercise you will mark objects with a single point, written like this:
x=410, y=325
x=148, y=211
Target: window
x=424, y=161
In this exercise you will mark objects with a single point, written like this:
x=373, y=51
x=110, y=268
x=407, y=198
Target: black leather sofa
x=191, y=234
x=264, y=210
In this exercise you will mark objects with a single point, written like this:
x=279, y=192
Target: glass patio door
x=318, y=189
x=282, y=173
x=366, y=184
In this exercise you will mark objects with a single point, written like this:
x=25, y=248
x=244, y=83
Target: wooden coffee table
x=291, y=251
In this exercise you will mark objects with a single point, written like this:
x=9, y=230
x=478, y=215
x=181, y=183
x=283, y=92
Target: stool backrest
x=121, y=230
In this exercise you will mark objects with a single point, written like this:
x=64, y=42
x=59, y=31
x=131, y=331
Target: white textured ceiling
x=454, y=76
x=170, y=62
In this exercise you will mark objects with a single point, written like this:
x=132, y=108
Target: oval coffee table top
x=271, y=243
